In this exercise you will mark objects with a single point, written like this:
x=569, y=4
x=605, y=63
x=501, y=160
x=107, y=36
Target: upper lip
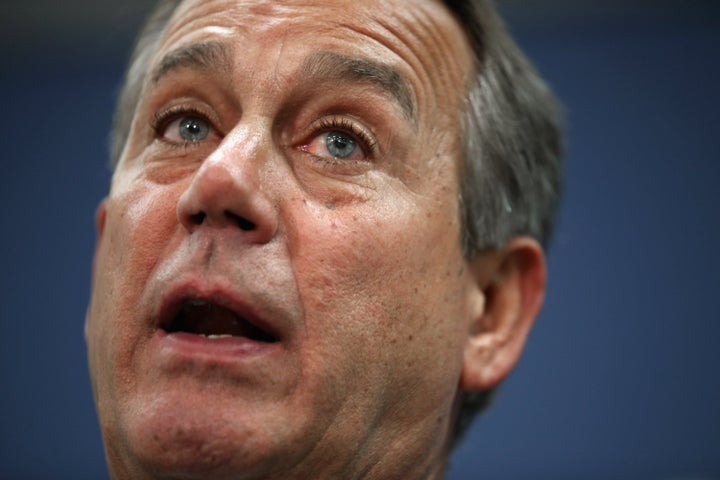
x=186, y=292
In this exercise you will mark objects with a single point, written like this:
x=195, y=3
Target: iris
x=193, y=129
x=340, y=145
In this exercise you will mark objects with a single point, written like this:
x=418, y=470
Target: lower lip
x=232, y=349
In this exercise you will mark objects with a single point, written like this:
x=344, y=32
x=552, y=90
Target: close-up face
x=279, y=287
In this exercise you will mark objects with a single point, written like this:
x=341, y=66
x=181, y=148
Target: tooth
x=213, y=337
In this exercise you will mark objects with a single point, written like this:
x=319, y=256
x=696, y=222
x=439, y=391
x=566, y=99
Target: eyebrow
x=321, y=66
x=198, y=56
x=330, y=66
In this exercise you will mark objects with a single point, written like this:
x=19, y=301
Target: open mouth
x=214, y=321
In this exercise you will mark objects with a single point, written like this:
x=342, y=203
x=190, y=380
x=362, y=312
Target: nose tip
x=222, y=197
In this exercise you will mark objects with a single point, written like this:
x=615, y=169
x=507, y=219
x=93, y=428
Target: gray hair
x=511, y=177
x=513, y=152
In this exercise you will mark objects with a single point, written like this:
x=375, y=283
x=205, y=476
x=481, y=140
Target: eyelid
x=163, y=118
x=365, y=139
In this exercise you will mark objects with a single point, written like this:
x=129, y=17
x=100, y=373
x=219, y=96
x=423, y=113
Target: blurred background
x=620, y=377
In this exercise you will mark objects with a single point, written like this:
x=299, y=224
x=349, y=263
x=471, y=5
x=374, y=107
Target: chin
x=179, y=438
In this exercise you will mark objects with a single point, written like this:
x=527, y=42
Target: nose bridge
x=227, y=190
x=234, y=165
x=243, y=145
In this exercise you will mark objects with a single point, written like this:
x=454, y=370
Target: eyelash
x=344, y=125
x=162, y=119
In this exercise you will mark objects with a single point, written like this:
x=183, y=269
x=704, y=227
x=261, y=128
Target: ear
x=100, y=216
x=512, y=282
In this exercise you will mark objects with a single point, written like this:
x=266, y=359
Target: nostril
x=243, y=223
x=198, y=218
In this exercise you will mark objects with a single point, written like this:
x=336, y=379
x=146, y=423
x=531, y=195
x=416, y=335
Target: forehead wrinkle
x=448, y=49
x=431, y=42
x=331, y=66
x=204, y=56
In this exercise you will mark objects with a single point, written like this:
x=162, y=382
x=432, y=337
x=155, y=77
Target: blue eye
x=182, y=127
x=340, y=145
x=191, y=129
x=339, y=139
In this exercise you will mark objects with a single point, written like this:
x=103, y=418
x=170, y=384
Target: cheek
x=146, y=219
x=377, y=285
x=382, y=305
x=138, y=227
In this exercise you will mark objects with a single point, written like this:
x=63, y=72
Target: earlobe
x=512, y=281
x=100, y=217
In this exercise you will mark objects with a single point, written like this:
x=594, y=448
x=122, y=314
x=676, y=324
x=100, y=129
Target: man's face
x=279, y=288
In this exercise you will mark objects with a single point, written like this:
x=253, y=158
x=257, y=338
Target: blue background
x=620, y=377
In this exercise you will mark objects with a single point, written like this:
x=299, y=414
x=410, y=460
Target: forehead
x=378, y=19
x=420, y=38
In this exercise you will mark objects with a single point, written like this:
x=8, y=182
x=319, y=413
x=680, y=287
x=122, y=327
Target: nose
x=225, y=192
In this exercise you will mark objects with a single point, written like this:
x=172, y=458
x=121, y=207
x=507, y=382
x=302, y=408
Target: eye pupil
x=339, y=144
x=193, y=129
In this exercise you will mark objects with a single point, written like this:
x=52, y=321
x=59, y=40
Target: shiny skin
x=355, y=263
